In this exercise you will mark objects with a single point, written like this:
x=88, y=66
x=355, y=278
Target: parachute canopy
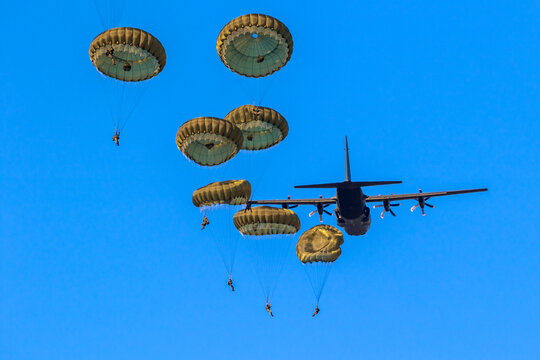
x=127, y=54
x=321, y=243
x=230, y=192
x=261, y=127
x=254, y=45
x=266, y=220
x=209, y=141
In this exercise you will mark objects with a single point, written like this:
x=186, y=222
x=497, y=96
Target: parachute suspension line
x=269, y=258
x=265, y=83
x=118, y=121
x=257, y=265
x=221, y=232
x=100, y=14
x=260, y=57
x=218, y=245
x=233, y=239
x=257, y=175
x=221, y=240
x=108, y=86
x=123, y=118
x=281, y=265
x=110, y=13
x=317, y=274
x=141, y=90
x=327, y=269
x=266, y=88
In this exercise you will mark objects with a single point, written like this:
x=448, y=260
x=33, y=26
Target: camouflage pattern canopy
x=254, y=45
x=319, y=244
x=266, y=220
x=209, y=141
x=127, y=54
x=261, y=127
x=230, y=192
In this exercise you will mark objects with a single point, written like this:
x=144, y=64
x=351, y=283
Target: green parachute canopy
x=266, y=220
x=209, y=141
x=254, y=45
x=261, y=127
x=230, y=192
x=321, y=243
x=127, y=54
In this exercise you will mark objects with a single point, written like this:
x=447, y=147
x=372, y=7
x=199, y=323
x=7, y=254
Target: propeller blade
x=312, y=213
x=382, y=214
x=328, y=212
x=391, y=212
x=377, y=206
x=398, y=204
x=431, y=206
x=320, y=218
x=414, y=207
x=423, y=213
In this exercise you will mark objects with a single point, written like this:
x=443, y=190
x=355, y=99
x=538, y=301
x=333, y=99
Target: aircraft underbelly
x=357, y=226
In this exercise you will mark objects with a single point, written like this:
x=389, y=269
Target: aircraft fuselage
x=351, y=212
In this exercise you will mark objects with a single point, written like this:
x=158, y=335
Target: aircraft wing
x=293, y=202
x=419, y=195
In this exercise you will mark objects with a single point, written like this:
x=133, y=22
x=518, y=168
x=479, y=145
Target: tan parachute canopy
x=231, y=192
x=254, y=45
x=209, y=141
x=321, y=243
x=266, y=220
x=127, y=54
x=262, y=127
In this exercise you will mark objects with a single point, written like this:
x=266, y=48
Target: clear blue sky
x=101, y=253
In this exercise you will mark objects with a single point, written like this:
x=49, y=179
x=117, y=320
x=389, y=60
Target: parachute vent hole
x=250, y=137
x=209, y=146
x=254, y=36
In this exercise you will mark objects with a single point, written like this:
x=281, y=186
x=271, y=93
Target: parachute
x=126, y=57
x=127, y=54
x=319, y=244
x=261, y=127
x=222, y=199
x=209, y=141
x=269, y=232
x=230, y=192
x=266, y=220
x=317, y=249
x=254, y=45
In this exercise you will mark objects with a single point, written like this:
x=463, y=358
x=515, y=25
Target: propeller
x=386, y=204
x=287, y=206
x=422, y=202
x=248, y=205
x=321, y=210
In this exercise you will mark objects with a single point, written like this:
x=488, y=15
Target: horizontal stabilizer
x=347, y=184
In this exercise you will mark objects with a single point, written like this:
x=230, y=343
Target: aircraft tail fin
x=347, y=164
x=347, y=184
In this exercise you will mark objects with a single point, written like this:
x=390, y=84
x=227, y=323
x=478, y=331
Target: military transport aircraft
x=351, y=210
